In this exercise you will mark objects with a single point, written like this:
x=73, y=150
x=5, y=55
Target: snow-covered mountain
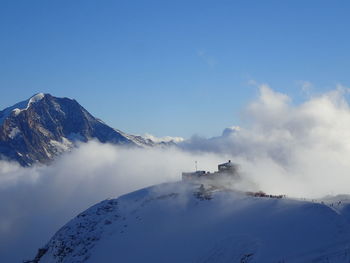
x=40, y=128
x=182, y=222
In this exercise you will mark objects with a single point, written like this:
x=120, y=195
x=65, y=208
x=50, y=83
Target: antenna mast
x=196, y=165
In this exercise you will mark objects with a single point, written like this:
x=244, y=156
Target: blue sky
x=170, y=67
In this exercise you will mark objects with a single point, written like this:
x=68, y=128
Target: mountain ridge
x=42, y=127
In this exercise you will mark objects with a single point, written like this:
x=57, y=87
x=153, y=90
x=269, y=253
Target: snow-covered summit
x=18, y=107
x=182, y=222
x=36, y=98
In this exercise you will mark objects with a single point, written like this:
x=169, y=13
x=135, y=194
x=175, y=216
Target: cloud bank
x=300, y=150
x=36, y=202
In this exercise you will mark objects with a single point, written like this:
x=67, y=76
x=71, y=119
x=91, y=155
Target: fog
x=36, y=202
x=282, y=147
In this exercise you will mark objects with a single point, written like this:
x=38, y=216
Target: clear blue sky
x=170, y=67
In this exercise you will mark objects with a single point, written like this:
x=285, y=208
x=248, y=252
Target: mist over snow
x=37, y=201
x=301, y=150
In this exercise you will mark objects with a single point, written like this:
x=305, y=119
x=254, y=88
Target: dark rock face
x=44, y=126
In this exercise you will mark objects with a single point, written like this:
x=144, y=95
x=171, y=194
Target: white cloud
x=299, y=150
x=163, y=139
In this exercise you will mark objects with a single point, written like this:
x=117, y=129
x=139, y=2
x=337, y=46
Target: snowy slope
x=176, y=222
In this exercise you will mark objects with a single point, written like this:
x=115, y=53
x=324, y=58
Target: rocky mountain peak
x=43, y=126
